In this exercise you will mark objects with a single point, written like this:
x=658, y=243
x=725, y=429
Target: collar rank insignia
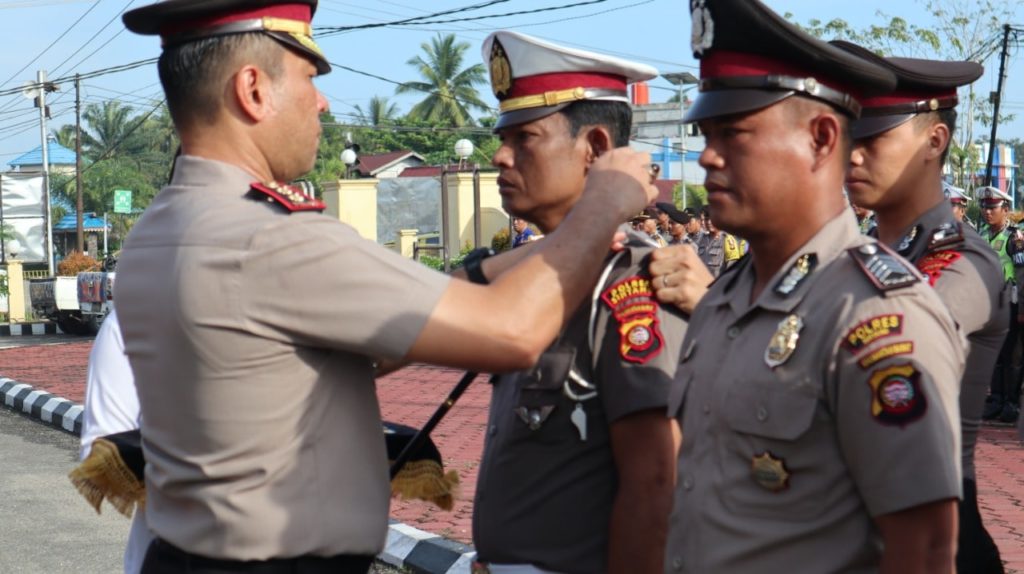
x=769, y=472
x=908, y=240
x=287, y=196
x=501, y=71
x=948, y=233
x=883, y=266
x=783, y=342
x=801, y=268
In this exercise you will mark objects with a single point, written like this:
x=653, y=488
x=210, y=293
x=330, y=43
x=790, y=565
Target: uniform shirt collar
x=192, y=171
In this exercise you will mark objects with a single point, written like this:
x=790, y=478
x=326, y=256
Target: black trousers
x=976, y=552
x=163, y=558
x=1005, y=385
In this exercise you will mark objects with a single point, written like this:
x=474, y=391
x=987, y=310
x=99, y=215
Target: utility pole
x=44, y=87
x=996, y=98
x=79, y=219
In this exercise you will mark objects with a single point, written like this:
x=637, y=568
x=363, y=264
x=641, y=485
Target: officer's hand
x=620, y=179
x=679, y=277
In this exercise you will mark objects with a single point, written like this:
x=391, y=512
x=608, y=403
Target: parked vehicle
x=77, y=304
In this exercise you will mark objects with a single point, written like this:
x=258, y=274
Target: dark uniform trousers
x=976, y=552
x=164, y=558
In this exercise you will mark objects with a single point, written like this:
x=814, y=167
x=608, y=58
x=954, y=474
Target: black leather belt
x=165, y=558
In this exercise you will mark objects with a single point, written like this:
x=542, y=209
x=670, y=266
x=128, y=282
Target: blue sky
x=653, y=31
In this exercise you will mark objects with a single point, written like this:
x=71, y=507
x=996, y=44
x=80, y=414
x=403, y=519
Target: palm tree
x=450, y=90
x=378, y=113
x=111, y=129
x=65, y=136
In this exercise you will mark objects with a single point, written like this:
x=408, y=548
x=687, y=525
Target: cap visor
x=868, y=126
x=513, y=118
x=717, y=103
x=290, y=41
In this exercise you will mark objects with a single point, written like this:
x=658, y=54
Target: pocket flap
x=777, y=413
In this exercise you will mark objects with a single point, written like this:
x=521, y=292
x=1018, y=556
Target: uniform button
x=493, y=430
x=732, y=332
x=762, y=413
x=706, y=408
x=687, y=483
x=677, y=563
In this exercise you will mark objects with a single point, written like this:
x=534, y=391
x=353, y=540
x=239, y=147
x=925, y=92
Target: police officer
x=958, y=201
x=820, y=375
x=1008, y=243
x=678, y=223
x=253, y=323
x=576, y=474
x=901, y=143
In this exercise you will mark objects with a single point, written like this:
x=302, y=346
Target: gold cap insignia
x=501, y=71
x=783, y=342
x=769, y=472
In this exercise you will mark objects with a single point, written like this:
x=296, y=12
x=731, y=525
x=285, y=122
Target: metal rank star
x=289, y=193
x=783, y=342
x=800, y=270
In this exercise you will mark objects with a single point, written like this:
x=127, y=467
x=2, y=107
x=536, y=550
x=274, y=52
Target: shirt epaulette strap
x=945, y=235
x=287, y=196
x=884, y=267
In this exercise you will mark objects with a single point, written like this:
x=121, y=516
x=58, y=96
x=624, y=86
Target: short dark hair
x=616, y=116
x=193, y=73
x=946, y=117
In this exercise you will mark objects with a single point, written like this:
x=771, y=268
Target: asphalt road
x=45, y=526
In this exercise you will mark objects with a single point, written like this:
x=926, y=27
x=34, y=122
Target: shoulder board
x=287, y=196
x=886, y=270
x=949, y=233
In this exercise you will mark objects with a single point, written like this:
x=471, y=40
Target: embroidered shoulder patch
x=871, y=330
x=896, y=397
x=933, y=264
x=287, y=196
x=635, y=309
x=882, y=353
x=886, y=270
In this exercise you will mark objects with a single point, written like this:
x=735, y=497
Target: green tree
x=112, y=131
x=451, y=92
x=379, y=112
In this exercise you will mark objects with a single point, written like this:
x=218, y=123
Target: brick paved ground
x=410, y=397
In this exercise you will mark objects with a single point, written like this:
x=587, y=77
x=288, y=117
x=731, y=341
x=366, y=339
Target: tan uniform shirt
x=250, y=332
x=544, y=495
x=967, y=275
x=822, y=404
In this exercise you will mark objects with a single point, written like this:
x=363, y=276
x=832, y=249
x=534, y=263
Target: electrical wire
x=321, y=31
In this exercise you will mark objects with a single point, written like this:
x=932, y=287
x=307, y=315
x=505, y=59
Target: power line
x=519, y=13
x=52, y=44
x=332, y=30
x=94, y=36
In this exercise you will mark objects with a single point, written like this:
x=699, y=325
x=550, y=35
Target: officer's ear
x=252, y=88
x=827, y=132
x=938, y=139
x=598, y=140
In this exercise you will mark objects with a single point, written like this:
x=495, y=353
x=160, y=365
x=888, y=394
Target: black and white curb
x=29, y=329
x=41, y=405
x=406, y=547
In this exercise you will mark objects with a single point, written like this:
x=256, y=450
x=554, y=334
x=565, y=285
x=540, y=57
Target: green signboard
x=122, y=201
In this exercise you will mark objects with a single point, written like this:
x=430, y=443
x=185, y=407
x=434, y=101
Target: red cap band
x=898, y=98
x=724, y=64
x=541, y=83
x=298, y=12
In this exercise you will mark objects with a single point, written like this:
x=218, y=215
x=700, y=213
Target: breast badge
x=635, y=310
x=896, y=397
x=783, y=342
x=769, y=472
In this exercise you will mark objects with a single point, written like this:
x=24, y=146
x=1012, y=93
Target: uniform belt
x=164, y=557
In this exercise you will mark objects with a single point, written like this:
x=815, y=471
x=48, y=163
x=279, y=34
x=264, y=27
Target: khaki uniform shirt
x=251, y=333
x=968, y=276
x=544, y=496
x=822, y=404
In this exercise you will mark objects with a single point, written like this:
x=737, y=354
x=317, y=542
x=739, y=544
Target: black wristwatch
x=472, y=263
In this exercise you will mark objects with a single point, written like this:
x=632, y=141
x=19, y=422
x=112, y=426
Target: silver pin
x=579, y=419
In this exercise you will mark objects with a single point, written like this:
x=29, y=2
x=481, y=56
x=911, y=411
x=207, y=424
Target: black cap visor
x=290, y=41
x=526, y=115
x=717, y=103
x=869, y=126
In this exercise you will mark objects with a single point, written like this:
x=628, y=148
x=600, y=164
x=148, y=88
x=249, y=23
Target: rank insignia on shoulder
x=949, y=233
x=884, y=267
x=635, y=309
x=287, y=196
x=896, y=397
x=783, y=342
x=908, y=240
x=769, y=472
x=871, y=330
x=934, y=263
x=801, y=269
